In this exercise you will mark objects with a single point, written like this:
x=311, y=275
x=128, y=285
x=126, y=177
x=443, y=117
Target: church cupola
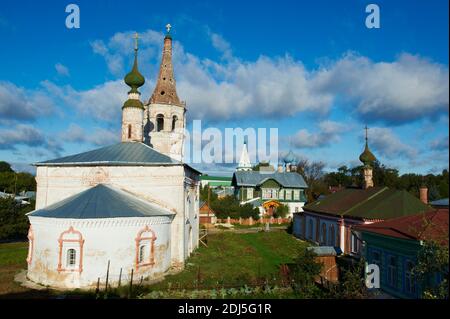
x=164, y=116
x=368, y=159
x=133, y=109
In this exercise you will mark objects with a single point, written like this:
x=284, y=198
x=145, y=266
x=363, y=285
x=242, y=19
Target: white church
x=133, y=205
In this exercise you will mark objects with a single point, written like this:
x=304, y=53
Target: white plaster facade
x=103, y=240
x=169, y=139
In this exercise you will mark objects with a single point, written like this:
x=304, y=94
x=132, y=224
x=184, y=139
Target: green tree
x=13, y=221
x=5, y=167
x=433, y=264
x=351, y=283
x=304, y=272
x=281, y=211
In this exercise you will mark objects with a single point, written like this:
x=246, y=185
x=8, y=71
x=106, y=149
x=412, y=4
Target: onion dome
x=289, y=158
x=134, y=79
x=367, y=157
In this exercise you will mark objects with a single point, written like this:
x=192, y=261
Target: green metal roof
x=372, y=203
x=101, y=201
x=256, y=178
x=126, y=153
x=215, y=178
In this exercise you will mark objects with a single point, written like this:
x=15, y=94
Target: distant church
x=133, y=205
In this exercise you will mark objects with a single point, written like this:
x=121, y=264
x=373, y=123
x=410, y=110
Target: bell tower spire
x=133, y=109
x=164, y=120
x=165, y=91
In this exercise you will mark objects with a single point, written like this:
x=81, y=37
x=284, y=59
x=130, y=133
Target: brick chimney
x=423, y=191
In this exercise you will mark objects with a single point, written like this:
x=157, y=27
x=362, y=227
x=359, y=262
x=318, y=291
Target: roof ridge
x=366, y=200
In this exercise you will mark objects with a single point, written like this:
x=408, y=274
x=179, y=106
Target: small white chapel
x=131, y=207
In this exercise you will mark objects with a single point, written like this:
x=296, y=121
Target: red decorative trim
x=61, y=242
x=30, y=245
x=138, y=240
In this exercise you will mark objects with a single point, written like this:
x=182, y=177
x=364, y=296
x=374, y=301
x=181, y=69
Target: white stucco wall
x=165, y=186
x=111, y=239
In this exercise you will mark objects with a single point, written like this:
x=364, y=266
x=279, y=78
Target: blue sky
x=310, y=68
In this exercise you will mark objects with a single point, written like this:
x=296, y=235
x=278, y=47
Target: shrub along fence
x=250, y=221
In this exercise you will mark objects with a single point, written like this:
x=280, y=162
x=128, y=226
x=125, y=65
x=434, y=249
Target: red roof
x=432, y=225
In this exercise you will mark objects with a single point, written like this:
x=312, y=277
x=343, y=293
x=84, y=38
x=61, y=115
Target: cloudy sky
x=312, y=70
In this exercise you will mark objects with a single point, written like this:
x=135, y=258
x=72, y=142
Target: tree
x=281, y=211
x=312, y=173
x=5, y=167
x=352, y=283
x=304, y=272
x=13, y=221
x=432, y=263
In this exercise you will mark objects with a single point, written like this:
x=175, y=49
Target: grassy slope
x=12, y=260
x=236, y=259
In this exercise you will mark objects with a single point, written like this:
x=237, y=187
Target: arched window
x=332, y=239
x=311, y=228
x=71, y=258
x=174, y=122
x=129, y=130
x=324, y=234
x=145, y=248
x=70, y=246
x=159, y=123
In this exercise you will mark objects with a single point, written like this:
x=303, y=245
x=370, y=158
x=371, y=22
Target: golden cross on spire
x=366, y=128
x=168, y=26
x=136, y=37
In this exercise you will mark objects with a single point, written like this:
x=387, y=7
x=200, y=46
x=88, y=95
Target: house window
x=249, y=193
x=354, y=244
x=281, y=194
x=288, y=194
x=71, y=244
x=332, y=236
x=296, y=194
x=410, y=284
x=392, y=271
x=174, y=122
x=269, y=193
x=145, y=247
x=324, y=234
x=311, y=229
x=142, y=250
x=376, y=258
x=159, y=122
x=71, y=258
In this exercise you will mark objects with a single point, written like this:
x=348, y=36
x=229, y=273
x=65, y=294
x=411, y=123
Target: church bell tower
x=164, y=120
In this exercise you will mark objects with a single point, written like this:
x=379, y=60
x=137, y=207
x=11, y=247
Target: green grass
x=234, y=259
x=12, y=260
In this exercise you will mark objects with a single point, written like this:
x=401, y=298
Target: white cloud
x=384, y=142
x=17, y=103
x=97, y=136
x=62, y=69
x=329, y=132
x=404, y=90
x=24, y=134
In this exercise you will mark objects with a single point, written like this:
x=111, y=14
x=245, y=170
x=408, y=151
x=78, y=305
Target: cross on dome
x=168, y=27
